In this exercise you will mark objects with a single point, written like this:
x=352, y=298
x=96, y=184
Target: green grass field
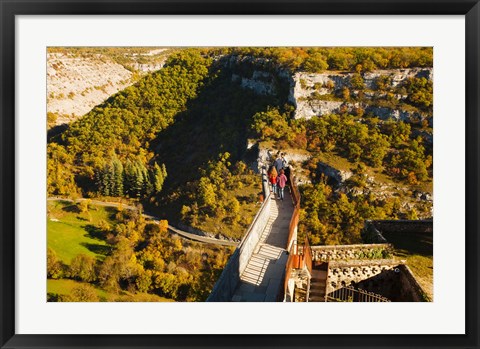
x=65, y=286
x=70, y=232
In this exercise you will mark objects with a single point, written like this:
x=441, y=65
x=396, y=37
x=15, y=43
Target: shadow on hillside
x=94, y=232
x=54, y=134
x=71, y=208
x=217, y=121
x=112, y=213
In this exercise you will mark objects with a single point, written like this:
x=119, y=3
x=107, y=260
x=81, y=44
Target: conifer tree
x=136, y=179
x=133, y=179
x=159, y=174
x=146, y=187
x=103, y=178
x=117, y=180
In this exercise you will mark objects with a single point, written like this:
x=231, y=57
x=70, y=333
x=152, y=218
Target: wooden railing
x=350, y=294
x=294, y=189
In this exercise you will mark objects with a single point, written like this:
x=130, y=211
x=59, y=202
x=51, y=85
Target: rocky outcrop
x=309, y=108
x=259, y=75
x=78, y=82
x=397, y=75
x=146, y=67
x=388, y=113
x=337, y=175
x=261, y=82
x=338, y=178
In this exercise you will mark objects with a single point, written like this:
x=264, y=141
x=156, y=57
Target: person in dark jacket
x=278, y=164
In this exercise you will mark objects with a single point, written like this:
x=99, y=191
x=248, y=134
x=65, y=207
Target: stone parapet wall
x=400, y=226
x=362, y=263
x=227, y=283
x=248, y=244
x=350, y=252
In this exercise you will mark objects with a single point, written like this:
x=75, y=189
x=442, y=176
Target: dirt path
x=190, y=236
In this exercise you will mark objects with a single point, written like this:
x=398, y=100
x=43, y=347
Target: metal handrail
x=296, y=211
x=291, y=241
x=351, y=294
x=307, y=256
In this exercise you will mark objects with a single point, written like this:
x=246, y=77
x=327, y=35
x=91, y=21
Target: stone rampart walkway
x=261, y=281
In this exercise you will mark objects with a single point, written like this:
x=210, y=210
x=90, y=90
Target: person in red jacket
x=273, y=180
x=281, y=182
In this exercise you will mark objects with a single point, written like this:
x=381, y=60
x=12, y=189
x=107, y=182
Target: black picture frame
x=11, y=8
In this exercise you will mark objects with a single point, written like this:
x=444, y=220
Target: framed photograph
x=194, y=174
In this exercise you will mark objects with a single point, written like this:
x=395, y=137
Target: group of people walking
x=277, y=177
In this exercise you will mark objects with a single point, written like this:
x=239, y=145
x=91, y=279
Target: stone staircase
x=318, y=284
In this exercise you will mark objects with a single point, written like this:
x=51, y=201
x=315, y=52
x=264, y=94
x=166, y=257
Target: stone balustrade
x=350, y=252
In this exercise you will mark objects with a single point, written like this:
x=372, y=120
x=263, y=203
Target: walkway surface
x=261, y=281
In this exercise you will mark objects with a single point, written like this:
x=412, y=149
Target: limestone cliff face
x=76, y=84
x=261, y=82
x=260, y=76
x=306, y=94
x=398, y=75
x=310, y=94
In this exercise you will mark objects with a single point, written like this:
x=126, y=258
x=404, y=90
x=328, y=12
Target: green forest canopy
x=132, y=145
